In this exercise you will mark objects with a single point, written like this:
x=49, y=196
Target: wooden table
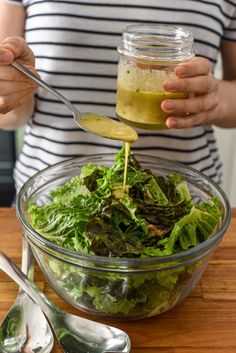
x=204, y=323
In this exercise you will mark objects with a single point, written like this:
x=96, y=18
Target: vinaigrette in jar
x=148, y=56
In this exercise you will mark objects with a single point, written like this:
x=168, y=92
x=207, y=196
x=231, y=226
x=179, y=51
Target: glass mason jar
x=148, y=56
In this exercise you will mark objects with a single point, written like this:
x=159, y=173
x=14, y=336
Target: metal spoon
x=25, y=327
x=91, y=122
x=75, y=334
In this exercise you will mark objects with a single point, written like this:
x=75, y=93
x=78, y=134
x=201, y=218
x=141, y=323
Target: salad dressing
x=109, y=128
x=142, y=108
x=112, y=129
x=127, y=149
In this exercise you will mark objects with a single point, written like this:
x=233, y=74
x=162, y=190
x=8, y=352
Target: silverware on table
x=25, y=328
x=75, y=334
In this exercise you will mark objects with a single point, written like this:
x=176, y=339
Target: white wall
x=226, y=139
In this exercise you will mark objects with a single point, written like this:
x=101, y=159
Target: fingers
x=194, y=77
x=191, y=105
x=16, y=48
x=195, y=67
x=6, y=57
x=196, y=110
x=9, y=73
x=188, y=121
x=12, y=48
x=198, y=84
x=13, y=100
x=8, y=87
x=15, y=88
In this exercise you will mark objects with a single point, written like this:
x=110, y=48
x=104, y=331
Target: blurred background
x=227, y=148
x=7, y=160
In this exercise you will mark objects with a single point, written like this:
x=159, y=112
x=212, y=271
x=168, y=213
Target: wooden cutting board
x=204, y=323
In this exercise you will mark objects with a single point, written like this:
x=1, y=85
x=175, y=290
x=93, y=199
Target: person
x=73, y=46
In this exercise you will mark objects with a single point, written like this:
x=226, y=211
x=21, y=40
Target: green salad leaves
x=155, y=216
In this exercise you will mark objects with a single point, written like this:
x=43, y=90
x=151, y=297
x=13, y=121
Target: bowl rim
x=185, y=254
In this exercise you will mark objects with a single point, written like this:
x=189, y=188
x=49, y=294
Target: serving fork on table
x=75, y=334
x=25, y=328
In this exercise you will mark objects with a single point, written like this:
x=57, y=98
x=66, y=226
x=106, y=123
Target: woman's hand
x=15, y=88
x=203, y=104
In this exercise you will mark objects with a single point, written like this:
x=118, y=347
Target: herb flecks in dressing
x=109, y=128
x=143, y=109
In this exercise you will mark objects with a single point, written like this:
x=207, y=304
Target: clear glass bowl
x=115, y=287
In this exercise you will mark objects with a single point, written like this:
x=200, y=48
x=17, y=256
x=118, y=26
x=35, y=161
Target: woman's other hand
x=203, y=104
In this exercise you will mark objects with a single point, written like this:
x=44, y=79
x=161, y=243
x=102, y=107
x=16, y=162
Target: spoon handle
x=43, y=84
x=27, y=265
x=12, y=270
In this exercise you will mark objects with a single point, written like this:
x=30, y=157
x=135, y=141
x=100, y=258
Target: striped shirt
x=75, y=45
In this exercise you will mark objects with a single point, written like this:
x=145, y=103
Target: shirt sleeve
x=230, y=29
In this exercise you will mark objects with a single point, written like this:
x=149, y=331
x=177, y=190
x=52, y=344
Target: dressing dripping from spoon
x=127, y=149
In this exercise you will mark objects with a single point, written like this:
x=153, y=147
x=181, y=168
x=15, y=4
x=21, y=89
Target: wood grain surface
x=204, y=323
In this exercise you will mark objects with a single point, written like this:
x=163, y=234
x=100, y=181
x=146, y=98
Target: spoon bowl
x=25, y=328
x=74, y=333
x=97, y=124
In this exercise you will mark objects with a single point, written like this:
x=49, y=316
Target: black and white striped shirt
x=75, y=44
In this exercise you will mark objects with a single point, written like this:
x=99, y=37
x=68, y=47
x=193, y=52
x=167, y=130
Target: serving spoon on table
x=25, y=328
x=74, y=334
x=91, y=122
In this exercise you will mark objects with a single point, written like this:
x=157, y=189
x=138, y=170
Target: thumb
x=6, y=57
x=19, y=49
